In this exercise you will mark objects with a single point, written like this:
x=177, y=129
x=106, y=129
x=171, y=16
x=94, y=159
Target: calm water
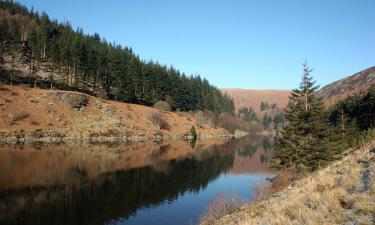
x=146, y=183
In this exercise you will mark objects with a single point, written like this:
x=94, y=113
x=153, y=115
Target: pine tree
x=267, y=120
x=306, y=137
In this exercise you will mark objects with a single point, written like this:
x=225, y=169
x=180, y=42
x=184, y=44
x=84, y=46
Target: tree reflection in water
x=119, y=194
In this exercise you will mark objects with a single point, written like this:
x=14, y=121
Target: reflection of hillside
x=251, y=155
x=94, y=184
x=110, y=196
x=25, y=166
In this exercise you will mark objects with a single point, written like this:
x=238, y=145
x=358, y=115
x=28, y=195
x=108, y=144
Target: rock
x=346, y=204
x=108, y=112
x=239, y=133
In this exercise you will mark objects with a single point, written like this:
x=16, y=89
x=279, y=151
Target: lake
x=144, y=183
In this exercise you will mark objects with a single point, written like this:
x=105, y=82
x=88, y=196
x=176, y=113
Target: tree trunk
x=44, y=50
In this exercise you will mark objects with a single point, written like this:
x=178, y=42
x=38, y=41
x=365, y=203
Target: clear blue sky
x=246, y=44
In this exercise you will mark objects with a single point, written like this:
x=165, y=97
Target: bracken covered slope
x=36, y=113
x=351, y=85
x=251, y=98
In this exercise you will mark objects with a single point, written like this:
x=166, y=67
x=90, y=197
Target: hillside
x=332, y=93
x=253, y=98
x=40, y=49
x=351, y=85
x=37, y=114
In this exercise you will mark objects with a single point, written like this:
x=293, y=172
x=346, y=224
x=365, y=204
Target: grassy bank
x=342, y=193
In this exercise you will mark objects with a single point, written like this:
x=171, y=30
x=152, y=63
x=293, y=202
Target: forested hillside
x=41, y=49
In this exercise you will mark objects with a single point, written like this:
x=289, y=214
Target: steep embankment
x=351, y=85
x=36, y=114
x=342, y=193
x=252, y=98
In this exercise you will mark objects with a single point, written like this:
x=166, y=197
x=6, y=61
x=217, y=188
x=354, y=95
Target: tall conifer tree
x=305, y=139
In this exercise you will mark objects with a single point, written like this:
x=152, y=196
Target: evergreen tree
x=352, y=118
x=279, y=120
x=306, y=137
x=248, y=114
x=193, y=132
x=267, y=120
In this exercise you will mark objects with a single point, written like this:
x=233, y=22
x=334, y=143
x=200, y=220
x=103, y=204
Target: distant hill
x=332, y=93
x=351, y=85
x=253, y=98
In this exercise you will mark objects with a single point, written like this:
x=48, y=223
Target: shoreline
x=55, y=137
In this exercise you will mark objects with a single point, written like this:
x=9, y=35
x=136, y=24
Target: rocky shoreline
x=56, y=137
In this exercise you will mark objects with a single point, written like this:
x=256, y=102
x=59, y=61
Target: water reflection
x=132, y=184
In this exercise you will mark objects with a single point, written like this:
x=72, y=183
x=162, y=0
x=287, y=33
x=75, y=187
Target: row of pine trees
x=315, y=135
x=89, y=62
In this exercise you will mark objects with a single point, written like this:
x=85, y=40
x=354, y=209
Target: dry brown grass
x=47, y=107
x=329, y=196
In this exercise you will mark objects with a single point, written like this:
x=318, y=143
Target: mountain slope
x=351, y=85
x=253, y=98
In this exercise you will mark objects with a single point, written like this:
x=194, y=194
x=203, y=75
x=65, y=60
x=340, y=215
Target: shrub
x=199, y=118
x=193, y=133
x=220, y=206
x=162, y=105
x=283, y=179
x=34, y=122
x=77, y=100
x=18, y=117
x=211, y=118
x=232, y=123
x=261, y=192
x=157, y=119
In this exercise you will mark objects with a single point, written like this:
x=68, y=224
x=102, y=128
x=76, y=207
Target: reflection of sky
x=189, y=206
